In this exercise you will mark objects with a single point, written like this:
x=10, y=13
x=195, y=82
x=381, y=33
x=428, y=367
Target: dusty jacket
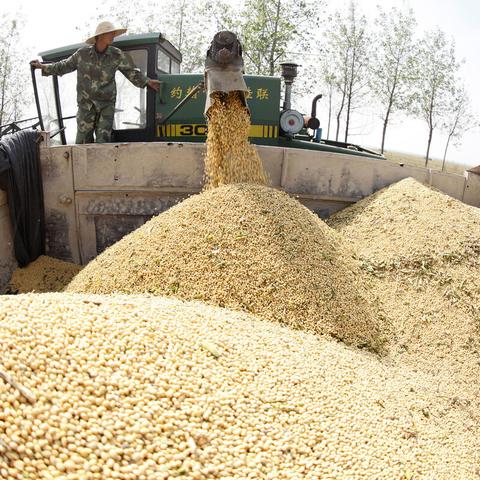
x=96, y=73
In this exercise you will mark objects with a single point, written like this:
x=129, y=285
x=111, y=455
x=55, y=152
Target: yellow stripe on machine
x=200, y=130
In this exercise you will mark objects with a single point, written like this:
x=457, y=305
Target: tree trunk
x=385, y=123
x=329, y=112
x=389, y=108
x=430, y=125
x=350, y=91
x=450, y=135
x=347, y=122
x=430, y=134
x=349, y=99
x=3, y=88
x=180, y=26
x=445, y=152
x=339, y=114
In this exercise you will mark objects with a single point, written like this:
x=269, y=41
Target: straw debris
x=250, y=248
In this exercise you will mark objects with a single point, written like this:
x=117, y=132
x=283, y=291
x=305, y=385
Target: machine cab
x=142, y=115
x=135, y=118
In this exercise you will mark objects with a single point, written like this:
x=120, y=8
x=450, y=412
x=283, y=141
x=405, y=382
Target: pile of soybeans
x=407, y=225
x=118, y=381
x=421, y=248
x=45, y=274
x=230, y=157
x=144, y=388
x=245, y=247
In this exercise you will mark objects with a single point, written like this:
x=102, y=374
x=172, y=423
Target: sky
x=49, y=24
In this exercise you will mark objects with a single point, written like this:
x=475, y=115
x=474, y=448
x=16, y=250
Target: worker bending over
x=96, y=64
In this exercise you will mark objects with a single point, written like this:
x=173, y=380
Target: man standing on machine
x=96, y=64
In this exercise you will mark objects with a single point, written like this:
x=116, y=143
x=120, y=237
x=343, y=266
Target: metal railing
x=15, y=126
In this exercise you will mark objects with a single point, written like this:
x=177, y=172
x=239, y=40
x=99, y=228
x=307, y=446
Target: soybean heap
x=137, y=387
x=45, y=274
x=250, y=248
x=132, y=385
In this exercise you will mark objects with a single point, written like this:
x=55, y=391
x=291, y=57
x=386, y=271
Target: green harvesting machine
x=177, y=112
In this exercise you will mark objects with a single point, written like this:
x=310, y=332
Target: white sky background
x=52, y=23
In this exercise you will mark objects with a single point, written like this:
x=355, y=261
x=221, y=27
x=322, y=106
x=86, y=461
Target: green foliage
x=458, y=118
x=346, y=61
x=435, y=79
x=272, y=31
x=187, y=25
x=341, y=56
x=393, y=58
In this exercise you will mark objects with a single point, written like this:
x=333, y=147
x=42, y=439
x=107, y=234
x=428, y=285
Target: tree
x=458, y=119
x=12, y=65
x=329, y=81
x=392, y=63
x=271, y=30
x=191, y=29
x=335, y=73
x=187, y=25
x=348, y=52
x=437, y=67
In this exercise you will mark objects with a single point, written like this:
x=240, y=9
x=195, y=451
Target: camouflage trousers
x=94, y=119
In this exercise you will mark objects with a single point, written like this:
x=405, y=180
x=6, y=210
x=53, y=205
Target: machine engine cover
x=291, y=121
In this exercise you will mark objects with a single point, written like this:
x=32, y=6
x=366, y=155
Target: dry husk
x=45, y=274
x=135, y=388
x=245, y=247
x=230, y=157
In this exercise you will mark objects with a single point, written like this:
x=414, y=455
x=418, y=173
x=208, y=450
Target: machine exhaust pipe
x=289, y=72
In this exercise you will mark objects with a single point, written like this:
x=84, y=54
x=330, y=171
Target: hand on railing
x=36, y=64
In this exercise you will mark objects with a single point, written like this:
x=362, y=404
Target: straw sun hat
x=105, y=27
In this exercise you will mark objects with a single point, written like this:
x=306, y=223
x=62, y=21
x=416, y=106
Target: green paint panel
x=188, y=123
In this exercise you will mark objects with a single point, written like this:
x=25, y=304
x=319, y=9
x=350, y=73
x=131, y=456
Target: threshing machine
x=96, y=193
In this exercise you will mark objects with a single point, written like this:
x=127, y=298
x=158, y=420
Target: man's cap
x=105, y=27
